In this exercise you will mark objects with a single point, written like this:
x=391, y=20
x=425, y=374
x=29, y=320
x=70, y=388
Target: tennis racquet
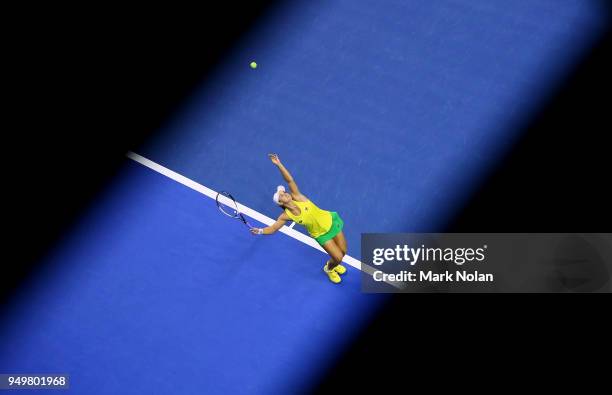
x=228, y=206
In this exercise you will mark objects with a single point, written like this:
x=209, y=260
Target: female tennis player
x=322, y=225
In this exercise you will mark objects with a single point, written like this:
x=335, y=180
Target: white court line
x=288, y=230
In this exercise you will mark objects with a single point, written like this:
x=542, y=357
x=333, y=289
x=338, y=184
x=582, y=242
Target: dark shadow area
x=86, y=85
x=556, y=179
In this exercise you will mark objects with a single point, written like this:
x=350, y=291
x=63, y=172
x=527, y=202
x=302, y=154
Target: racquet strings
x=227, y=204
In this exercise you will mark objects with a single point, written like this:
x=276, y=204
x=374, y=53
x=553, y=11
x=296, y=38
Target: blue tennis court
x=155, y=282
x=388, y=112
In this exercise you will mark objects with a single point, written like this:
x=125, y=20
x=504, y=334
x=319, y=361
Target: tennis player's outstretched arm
x=268, y=230
x=286, y=176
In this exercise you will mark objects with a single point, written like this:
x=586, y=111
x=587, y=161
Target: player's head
x=281, y=197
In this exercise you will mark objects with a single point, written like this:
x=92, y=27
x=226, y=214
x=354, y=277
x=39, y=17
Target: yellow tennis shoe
x=332, y=274
x=338, y=269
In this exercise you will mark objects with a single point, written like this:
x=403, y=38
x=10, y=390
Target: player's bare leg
x=336, y=254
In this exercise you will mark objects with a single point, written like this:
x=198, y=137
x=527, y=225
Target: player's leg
x=341, y=243
x=336, y=255
x=334, y=251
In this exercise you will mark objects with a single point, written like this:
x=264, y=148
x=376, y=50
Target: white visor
x=279, y=189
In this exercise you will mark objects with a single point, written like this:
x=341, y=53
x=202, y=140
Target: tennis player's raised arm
x=268, y=230
x=286, y=175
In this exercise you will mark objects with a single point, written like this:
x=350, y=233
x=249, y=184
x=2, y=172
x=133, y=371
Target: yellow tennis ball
x=253, y=65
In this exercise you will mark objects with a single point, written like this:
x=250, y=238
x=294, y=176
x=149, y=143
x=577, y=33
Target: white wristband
x=260, y=231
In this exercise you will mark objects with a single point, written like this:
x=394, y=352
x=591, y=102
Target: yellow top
x=317, y=221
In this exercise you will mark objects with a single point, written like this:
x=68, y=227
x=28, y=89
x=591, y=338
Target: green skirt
x=336, y=227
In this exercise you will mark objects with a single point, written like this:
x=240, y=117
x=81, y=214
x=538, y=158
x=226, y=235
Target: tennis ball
x=253, y=65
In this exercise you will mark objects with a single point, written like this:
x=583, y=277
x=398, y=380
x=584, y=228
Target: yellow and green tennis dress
x=322, y=225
